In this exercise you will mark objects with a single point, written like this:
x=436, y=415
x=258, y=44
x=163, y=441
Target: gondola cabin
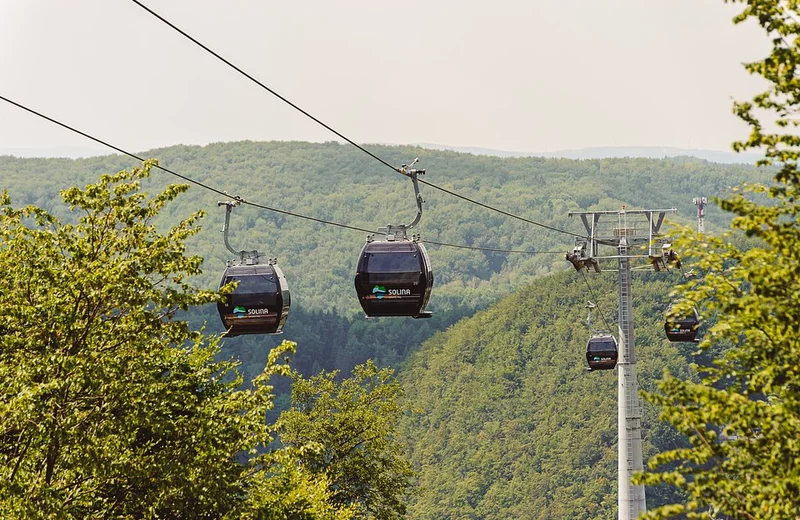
x=394, y=278
x=601, y=352
x=682, y=329
x=259, y=304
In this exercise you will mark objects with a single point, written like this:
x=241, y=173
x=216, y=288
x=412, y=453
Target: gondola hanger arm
x=242, y=254
x=408, y=171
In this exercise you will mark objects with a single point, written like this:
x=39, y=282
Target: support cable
x=339, y=134
x=176, y=174
x=594, y=298
x=492, y=249
x=239, y=199
x=262, y=85
x=502, y=212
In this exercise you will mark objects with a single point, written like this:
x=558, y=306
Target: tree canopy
x=334, y=181
x=109, y=407
x=743, y=416
x=354, y=422
x=505, y=420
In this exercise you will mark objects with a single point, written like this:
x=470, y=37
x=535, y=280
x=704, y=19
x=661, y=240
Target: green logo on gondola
x=239, y=311
x=379, y=291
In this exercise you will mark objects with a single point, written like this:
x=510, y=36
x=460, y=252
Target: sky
x=522, y=75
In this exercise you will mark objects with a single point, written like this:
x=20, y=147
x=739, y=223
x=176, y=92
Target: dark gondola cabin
x=394, y=278
x=682, y=329
x=601, y=352
x=259, y=304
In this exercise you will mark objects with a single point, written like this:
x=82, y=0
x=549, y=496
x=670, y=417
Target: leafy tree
x=332, y=180
x=354, y=422
x=108, y=407
x=743, y=417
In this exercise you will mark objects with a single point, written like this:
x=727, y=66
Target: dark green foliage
x=508, y=423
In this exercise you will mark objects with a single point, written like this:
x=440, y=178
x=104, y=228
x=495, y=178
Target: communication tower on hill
x=701, y=202
x=633, y=239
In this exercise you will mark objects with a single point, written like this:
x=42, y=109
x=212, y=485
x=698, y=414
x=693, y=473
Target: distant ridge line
x=647, y=152
x=602, y=152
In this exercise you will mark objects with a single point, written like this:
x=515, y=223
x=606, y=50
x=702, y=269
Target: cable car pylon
x=622, y=230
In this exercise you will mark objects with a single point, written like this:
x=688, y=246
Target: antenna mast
x=701, y=202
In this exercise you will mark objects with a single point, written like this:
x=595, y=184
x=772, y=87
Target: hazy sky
x=525, y=75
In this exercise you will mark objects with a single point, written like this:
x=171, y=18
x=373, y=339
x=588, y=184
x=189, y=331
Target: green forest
x=335, y=182
x=505, y=420
x=499, y=403
x=121, y=398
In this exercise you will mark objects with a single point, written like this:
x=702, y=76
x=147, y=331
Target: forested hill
x=507, y=422
x=337, y=182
